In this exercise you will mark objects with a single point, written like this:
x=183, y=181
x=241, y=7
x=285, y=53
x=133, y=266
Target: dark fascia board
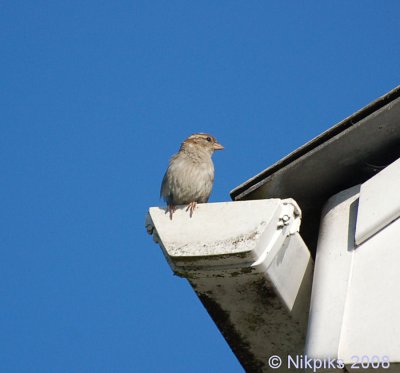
x=345, y=155
x=245, y=188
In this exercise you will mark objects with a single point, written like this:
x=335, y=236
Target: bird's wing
x=165, y=192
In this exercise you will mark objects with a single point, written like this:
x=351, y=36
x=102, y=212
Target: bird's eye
x=209, y=139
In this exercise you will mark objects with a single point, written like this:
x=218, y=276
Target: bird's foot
x=191, y=207
x=171, y=209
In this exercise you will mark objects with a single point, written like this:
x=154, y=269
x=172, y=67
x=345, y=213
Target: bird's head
x=201, y=143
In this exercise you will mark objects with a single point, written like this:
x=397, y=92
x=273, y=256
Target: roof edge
x=240, y=191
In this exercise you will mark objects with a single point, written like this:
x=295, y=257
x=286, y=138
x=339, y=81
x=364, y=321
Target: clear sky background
x=95, y=97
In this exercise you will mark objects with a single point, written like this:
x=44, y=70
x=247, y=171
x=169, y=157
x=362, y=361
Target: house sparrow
x=190, y=174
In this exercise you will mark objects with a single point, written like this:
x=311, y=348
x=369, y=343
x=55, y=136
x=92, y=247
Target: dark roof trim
x=248, y=186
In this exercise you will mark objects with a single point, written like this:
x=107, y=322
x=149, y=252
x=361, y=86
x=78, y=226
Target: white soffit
x=379, y=202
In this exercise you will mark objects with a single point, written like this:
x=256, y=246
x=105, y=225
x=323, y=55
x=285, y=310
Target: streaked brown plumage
x=190, y=174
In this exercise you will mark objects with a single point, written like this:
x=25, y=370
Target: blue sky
x=95, y=97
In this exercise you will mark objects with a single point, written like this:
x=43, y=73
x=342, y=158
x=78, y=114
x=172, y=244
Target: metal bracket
x=291, y=215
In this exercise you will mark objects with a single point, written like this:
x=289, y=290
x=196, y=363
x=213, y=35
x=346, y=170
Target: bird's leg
x=171, y=209
x=191, y=207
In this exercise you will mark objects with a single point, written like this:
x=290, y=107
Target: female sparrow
x=190, y=175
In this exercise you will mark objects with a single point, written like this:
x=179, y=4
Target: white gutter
x=250, y=268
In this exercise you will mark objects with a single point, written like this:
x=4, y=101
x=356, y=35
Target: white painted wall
x=355, y=303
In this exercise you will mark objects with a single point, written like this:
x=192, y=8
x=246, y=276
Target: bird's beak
x=218, y=146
